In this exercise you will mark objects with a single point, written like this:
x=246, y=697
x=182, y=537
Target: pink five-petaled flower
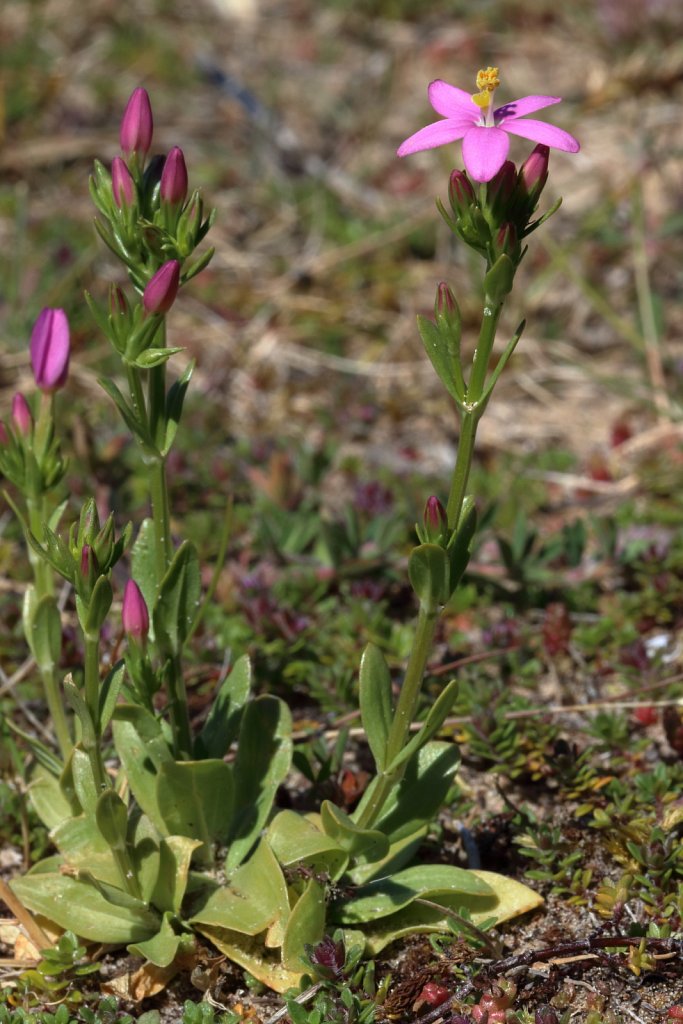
x=134, y=612
x=50, y=348
x=484, y=130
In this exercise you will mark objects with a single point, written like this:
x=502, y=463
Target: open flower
x=484, y=129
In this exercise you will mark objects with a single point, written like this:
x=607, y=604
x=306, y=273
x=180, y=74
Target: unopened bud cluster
x=495, y=222
x=153, y=225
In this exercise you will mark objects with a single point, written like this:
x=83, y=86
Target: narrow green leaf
x=422, y=791
x=339, y=826
x=45, y=636
x=143, y=565
x=375, y=702
x=174, y=405
x=305, y=926
x=178, y=598
x=223, y=722
x=264, y=756
x=436, y=716
x=109, y=692
x=443, y=350
x=429, y=574
x=154, y=357
x=79, y=906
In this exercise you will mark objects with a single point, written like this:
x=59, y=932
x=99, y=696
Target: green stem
x=403, y=716
x=177, y=709
x=44, y=587
x=463, y=464
x=92, y=700
x=162, y=517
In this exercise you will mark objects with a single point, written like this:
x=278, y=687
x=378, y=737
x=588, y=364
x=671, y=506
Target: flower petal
x=437, y=134
x=540, y=131
x=527, y=105
x=449, y=101
x=484, y=151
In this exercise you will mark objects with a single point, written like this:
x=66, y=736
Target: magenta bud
x=88, y=562
x=460, y=193
x=4, y=436
x=50, y=349
x=533, y=173
x=134, y=613
x=22, y=418
x=137, y=124
x=161, y=290
x=435, y=520
x=118, y=303
x=506, y=241
x=445, y=302
x=122, y=184
x=501, y=186
x=174, y=178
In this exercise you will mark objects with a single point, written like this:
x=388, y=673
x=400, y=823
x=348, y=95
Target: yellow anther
x=482, y=99
x=488, y=80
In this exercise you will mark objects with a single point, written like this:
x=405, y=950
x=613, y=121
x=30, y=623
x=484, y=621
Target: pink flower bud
x=174, y=178
x=460, y=193
x=533, y=173
x=50, y=349
x=22, y=417
x=134, y=613
x=122, y=184
x=137, y=124
x=506, y=241
x=4, y=436
x=501, y=186
x=446, y=305
x=161, y=290
x=435, y=520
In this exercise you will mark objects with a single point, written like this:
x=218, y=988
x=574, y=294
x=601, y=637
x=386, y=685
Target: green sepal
x=499, y=280
x=151, y=357
x=428, y=570
x=223, y=721
x=178, y=598
x=98, y=606
x=356, y=841
x=375, y=702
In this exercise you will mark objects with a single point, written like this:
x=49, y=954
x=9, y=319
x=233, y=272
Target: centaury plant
x=183, y=836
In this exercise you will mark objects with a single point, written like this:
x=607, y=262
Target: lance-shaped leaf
x=109, y=692
x=507, y=898
x=252, y=902
x=45, y=633
x=154, y=357
x=111, y=815
x=195, y=799
x=339, y=826
x=162, y=949
x=130, y=418
x=178, y=599
x=461, y=542
x=143, y=564
x=174, y=405
x=72, y=694
x=436, y=716
x=305, y=926
x=375, y=702
x=264, y=756
x=142, y=748
x=442, y=345
x=388, y=895
x=223, y=721
x=298, y=840
x=78, y=773
x=428, y=570
x=415, y=802
x=79, y=905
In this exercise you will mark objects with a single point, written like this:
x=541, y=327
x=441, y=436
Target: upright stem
x=403, y=716
x=161, y=515
x=178, y=709
x=463, y=464
x=44, y=587
x=92, y=700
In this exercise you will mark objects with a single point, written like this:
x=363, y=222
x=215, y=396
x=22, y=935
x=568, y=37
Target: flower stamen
x=487, y=83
